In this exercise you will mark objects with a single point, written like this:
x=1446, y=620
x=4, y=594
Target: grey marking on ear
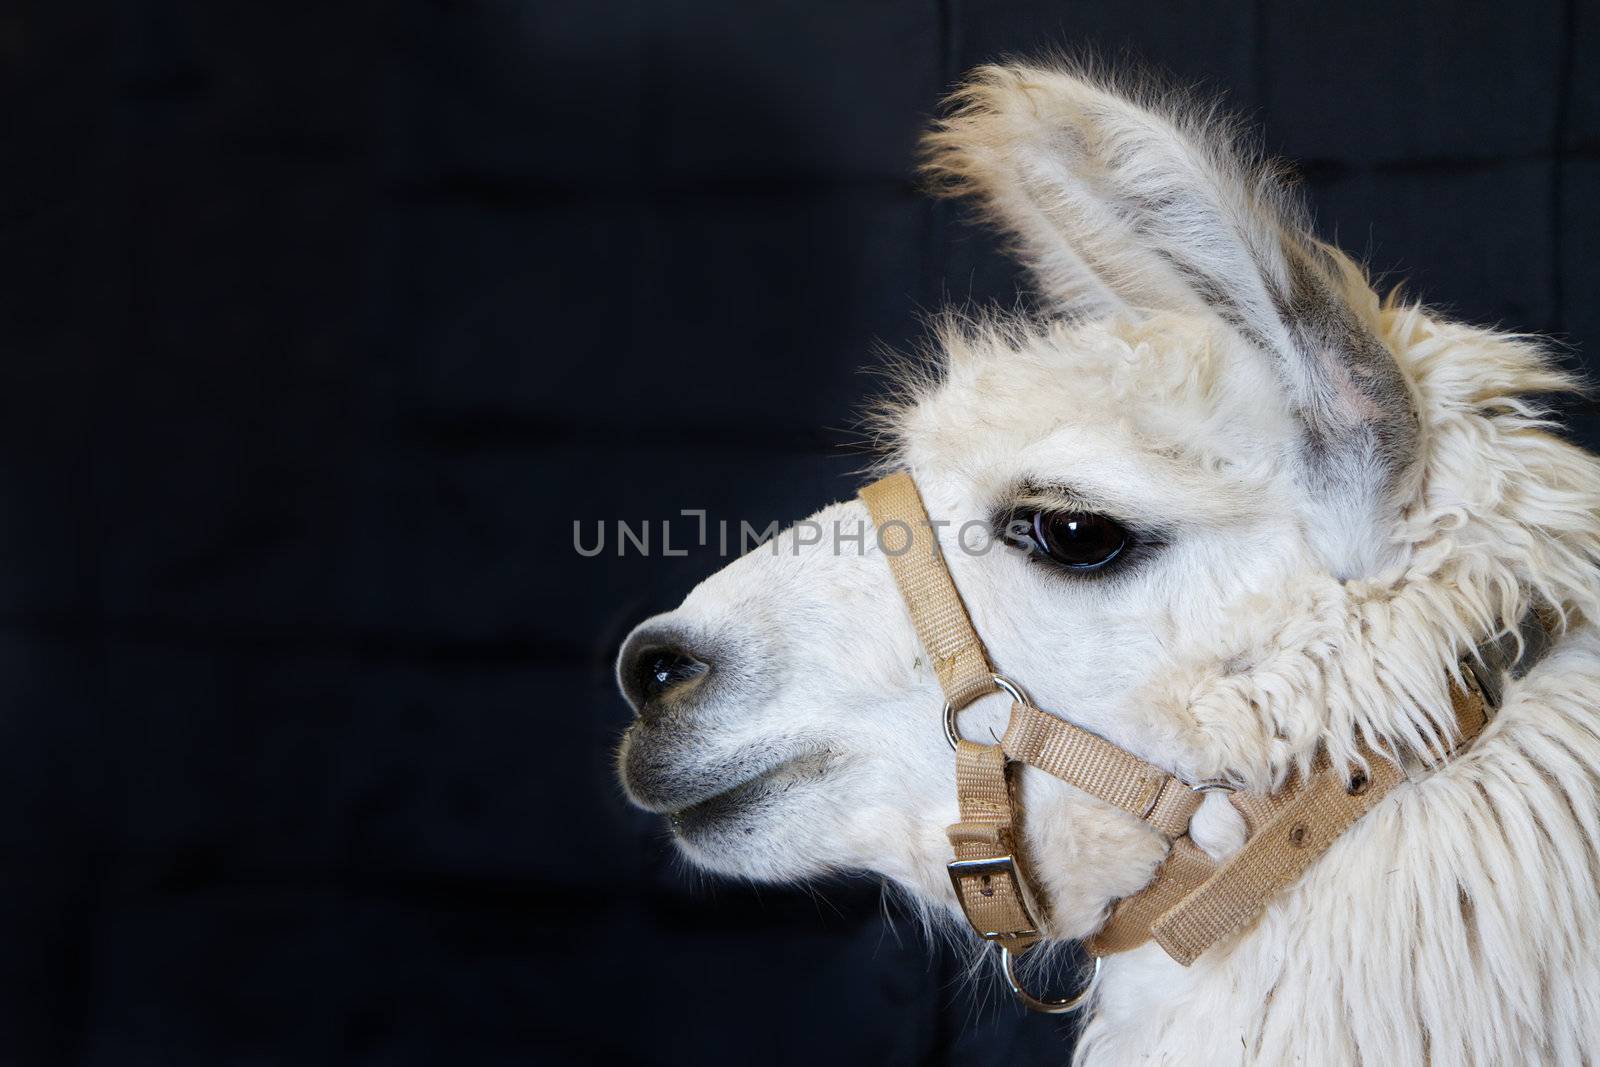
x=1215, y=294
x=1353, y=399
x=1357, y=410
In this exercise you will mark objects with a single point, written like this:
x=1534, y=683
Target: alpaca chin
x=739, y=832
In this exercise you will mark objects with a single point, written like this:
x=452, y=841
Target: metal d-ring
x=1012, y=689
x=1049, y=1007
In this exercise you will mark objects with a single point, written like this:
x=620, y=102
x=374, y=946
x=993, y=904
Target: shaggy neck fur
x=1455, y=923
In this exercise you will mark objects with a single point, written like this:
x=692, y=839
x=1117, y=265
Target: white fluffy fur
x=1455, y=924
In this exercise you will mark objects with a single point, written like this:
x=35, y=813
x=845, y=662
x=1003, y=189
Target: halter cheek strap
x=985, y=871
x=1193, y=901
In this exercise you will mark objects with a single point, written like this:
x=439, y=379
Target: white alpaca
x=1328, y=502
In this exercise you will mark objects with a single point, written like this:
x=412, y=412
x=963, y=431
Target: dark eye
x=1081, y=540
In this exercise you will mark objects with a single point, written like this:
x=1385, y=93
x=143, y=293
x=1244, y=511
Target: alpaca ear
x=1115, y=203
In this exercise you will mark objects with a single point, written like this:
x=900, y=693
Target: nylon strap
x=1308, y=818
x=986, y=874
x=912, y=548
x=1100, y=769
x=1185, y=869
x=1192, y=901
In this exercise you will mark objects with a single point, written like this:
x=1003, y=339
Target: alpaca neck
x=1453, y=923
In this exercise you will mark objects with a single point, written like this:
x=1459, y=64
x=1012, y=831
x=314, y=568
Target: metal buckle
x=1011, y=689
x=992, y=867
x=1007, y=866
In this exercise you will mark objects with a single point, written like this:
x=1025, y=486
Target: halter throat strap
x=1193, y=901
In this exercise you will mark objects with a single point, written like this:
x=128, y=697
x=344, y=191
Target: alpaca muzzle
x=1193, y=901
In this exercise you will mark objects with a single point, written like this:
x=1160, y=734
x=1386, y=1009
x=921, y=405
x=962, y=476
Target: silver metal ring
x=1012, y=689
x=1213, y=785
x=1049, y=1007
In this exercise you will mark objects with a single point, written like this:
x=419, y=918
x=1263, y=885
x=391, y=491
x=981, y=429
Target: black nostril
x=662, y=669
x=658, y=668
x=654, y=671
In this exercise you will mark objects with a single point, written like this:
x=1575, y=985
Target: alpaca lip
x=698, y=815
x=659, y=779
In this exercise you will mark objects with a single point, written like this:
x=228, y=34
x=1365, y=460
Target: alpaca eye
x=1080, y=540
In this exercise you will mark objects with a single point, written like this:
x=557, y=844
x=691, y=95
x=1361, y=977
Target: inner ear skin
x=1357, y=383
x=1349, y=393
x=1359, y=417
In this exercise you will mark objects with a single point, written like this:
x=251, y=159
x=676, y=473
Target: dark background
x=321, y=324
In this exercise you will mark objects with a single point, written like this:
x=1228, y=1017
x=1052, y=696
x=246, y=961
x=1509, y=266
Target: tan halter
x=1193, y=901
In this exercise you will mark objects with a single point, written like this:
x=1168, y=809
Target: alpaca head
x=1197, y=449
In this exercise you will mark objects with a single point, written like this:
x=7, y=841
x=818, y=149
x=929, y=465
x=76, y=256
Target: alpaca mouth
x=764, y=789
x=664, y=773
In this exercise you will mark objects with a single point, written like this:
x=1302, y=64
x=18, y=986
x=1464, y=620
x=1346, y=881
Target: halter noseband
x=1193, y=901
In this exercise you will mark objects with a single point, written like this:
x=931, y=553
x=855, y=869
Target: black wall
x=320, y=325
